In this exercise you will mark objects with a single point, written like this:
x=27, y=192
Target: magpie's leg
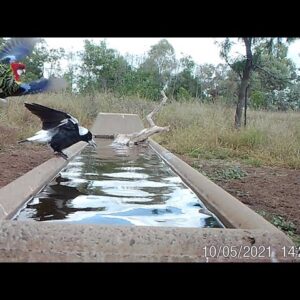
x=23, y=141
x=61, y=154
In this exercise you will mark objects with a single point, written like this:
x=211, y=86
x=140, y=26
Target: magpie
x=60, y=130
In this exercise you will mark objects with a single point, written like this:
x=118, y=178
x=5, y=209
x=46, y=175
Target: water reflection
x=119, y=185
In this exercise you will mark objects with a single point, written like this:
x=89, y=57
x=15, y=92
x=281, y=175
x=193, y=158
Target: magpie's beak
x=92, y=143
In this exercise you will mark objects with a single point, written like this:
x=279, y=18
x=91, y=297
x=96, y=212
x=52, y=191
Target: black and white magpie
x=60, y=130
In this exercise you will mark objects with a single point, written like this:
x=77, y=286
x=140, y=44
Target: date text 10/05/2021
x=249, y=251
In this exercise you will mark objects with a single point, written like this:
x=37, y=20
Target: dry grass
x=271, y=138
x=199, y=130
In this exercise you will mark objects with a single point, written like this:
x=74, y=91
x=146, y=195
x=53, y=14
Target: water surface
x=122, y=186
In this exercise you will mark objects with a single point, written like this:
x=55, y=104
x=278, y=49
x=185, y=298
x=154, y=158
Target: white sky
x=202, y=50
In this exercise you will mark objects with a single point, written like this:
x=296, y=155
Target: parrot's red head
x=18, y=69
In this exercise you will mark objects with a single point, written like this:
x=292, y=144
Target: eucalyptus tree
x=253, y=59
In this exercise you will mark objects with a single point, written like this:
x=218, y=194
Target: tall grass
x=196, y=129
x=206, y=130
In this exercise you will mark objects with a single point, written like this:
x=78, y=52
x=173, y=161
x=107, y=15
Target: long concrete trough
x=247, y=237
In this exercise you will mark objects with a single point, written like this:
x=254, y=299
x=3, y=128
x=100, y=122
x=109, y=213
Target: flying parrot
x=11, y=69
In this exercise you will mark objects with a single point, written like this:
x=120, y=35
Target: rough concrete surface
x=113, y=123
x=59, y=242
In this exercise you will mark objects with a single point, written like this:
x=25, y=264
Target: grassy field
x=197, y=129
x=206, y=130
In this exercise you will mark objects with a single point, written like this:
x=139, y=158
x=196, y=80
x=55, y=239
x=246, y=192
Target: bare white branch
x=143, y=135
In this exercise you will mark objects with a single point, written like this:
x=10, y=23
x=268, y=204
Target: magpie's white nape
x=59, y=129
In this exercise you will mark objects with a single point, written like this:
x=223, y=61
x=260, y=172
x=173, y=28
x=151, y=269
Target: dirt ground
x=272, y=192
x=17, y=160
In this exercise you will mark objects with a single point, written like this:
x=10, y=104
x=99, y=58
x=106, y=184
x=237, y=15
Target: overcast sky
x=202, y=50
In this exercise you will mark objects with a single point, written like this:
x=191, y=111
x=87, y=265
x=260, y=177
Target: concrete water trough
x=247, y=237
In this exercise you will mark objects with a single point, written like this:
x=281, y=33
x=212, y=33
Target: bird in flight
x=11, y=70
x=59, y=129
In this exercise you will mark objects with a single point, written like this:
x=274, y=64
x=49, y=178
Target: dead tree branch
x=140, y=137
x=157, y=109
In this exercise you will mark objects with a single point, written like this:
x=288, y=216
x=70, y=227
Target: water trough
x=247, y=237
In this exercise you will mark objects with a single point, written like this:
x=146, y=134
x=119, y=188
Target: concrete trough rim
x=15, y=194
x=116, y=114
x=60, y=242
x=243, y=217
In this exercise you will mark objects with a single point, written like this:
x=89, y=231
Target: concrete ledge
x=232, y=212
x=61, y=242
x=16, y=193
x=108, y=124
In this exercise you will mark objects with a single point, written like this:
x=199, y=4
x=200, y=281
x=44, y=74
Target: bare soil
x=19, y=159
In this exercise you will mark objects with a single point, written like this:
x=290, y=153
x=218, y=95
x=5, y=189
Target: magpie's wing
x=16, y=49
x=40, y=86
x=50, y=117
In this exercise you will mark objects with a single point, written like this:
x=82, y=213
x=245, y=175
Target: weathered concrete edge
x=16, y=193
x=117, y=114
x=232, y=212
x=114, y=123
x=30, y=241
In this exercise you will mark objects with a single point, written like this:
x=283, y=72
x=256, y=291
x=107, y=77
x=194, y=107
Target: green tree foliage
x=156, y=70
x=183, y=84
x=148, y=83
x=267, y=57
x=70, y=74
x=53, y=59
x=102, y=68
x=227, y=84
x=160, y=61
x=35, y=62
x=274, y=83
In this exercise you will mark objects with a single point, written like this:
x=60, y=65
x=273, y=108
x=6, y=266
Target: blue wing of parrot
x=16, y=49
x=42, y=85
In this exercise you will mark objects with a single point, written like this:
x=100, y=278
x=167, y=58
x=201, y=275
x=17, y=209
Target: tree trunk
x=246, y=106
x=244, y=83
